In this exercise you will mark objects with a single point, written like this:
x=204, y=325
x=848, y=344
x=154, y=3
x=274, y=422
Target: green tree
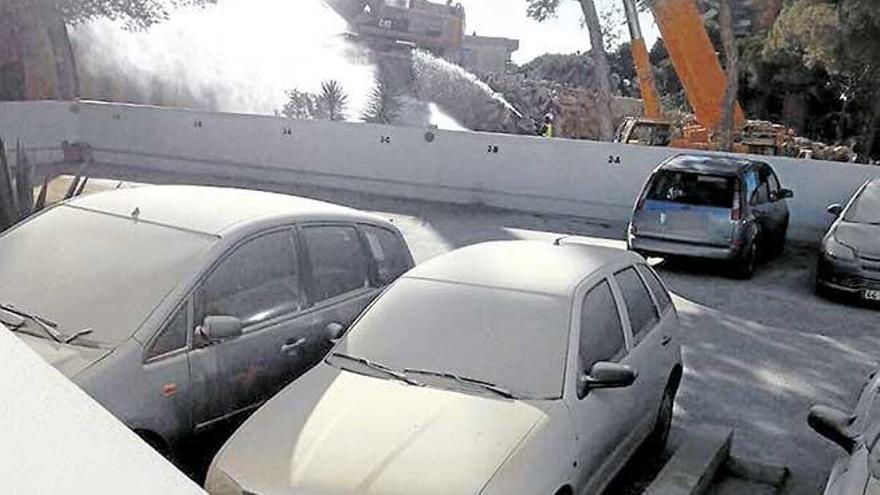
x=333, y=100
x=49, y=67
x=542, y=10
x=300, y=105
x=383, y=105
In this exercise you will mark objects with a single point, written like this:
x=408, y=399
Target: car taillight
x=736, y=207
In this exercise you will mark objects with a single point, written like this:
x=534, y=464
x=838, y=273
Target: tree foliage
x=333, y=100
x=329, y=104
x=383, y=105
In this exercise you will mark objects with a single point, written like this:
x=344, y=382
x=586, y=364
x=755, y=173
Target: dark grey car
x=177, y=307
x=849, y=261
x=709, y=206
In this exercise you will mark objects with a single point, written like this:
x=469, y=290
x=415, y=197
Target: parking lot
x=757, y=353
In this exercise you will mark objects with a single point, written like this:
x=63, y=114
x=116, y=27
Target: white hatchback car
x=505, y=367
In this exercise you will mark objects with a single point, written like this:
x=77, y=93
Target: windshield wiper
x=46, y=324
x=49, y=326
x=466, y=380
x=379, y=367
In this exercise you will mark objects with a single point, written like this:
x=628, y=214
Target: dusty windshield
x=513, y=339
x=866, y=208
x=85, y=270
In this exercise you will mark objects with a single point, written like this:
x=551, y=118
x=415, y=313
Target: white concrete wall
x=589, y=179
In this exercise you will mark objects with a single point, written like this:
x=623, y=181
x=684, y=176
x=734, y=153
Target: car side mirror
x=835, y=210
x=219, y=328
x=335, y=331
x=607, y=375
x=786, y=194
x=833, y=424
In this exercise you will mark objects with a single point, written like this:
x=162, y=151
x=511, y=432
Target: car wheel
x=660, y=434
x=745, y=267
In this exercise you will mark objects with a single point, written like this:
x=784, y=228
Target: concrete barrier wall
x=588, y=179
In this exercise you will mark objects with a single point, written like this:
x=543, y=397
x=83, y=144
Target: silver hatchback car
x=177, y=307
x=500, y=368
x=710, y=206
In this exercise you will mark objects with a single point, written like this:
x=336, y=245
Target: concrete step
x=694, y=465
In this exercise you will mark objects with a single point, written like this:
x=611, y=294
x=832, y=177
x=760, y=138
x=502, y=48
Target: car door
x=338, y=270
x=167, y=386
x=259, y=282
x=779, y=212
x=654, y=326
x=759, y=201
x=602, y=417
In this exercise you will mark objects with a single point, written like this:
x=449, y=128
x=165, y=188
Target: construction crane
x=697, y=66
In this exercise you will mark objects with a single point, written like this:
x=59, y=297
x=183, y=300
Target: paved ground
x=757, y=353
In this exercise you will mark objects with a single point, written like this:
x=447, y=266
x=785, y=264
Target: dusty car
x=177, y=307
x=715, y=207
x=504, y=367
x=849, y=261
x=857, y=432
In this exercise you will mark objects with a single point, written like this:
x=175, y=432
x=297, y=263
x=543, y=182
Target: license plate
x=871, y=295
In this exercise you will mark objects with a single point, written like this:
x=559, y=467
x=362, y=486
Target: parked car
x=711, y=206
x=504, y=367
x=849, y=261
x=177, y=307
x=857, y=433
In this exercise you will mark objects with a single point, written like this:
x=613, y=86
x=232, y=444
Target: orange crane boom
x=642, y=63
x=694, y=59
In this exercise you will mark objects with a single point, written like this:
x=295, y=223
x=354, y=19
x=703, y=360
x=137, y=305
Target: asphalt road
x=757, y=353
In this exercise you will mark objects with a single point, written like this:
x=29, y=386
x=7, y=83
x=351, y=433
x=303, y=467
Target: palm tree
x=333, y=100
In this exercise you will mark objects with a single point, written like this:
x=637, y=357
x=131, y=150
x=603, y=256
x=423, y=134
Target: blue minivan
x=711, y=206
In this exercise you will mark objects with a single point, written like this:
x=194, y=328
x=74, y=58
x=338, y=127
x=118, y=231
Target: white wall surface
x=588, y=179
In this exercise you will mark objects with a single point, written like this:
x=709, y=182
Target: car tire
x=656, y=441
x=744, y=268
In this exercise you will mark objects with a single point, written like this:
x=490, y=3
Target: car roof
x=531, y=266
x=213, y=210
x=707, y=164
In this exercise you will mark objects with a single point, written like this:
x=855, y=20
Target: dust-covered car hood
x=340, y=432
x=68, y=359
x=863, y=237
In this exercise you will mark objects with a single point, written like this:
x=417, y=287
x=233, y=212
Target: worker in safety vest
x=547, y=128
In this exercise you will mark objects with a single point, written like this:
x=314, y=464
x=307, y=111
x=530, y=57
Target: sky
x=563, y=34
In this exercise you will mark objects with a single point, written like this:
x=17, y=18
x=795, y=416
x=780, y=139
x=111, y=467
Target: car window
x=257, y=282
x=390, y=253
x=775, y=187
x=656, y=287
x=641, y=310
x=173, y=336
x=692, y=189
x=337, y=260
x=601, y=336
x=761, y=194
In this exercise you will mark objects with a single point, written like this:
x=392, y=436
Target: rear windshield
x=692, y=189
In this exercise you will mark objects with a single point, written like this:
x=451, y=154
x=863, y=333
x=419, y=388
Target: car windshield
x=692, y=189
x=512, y=339
x=866, y=208
x=111, y=271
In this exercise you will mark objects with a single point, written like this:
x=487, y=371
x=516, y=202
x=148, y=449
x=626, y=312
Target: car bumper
x=667, y=247
x=845, y=278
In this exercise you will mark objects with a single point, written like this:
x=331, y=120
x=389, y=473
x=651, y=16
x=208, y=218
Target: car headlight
x=220, y=483
x=838, y=250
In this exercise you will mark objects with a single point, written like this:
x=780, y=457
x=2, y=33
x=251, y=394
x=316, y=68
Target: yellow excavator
x=697, y=66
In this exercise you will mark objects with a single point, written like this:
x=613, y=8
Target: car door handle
x=665, y=340
x=291, y=347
